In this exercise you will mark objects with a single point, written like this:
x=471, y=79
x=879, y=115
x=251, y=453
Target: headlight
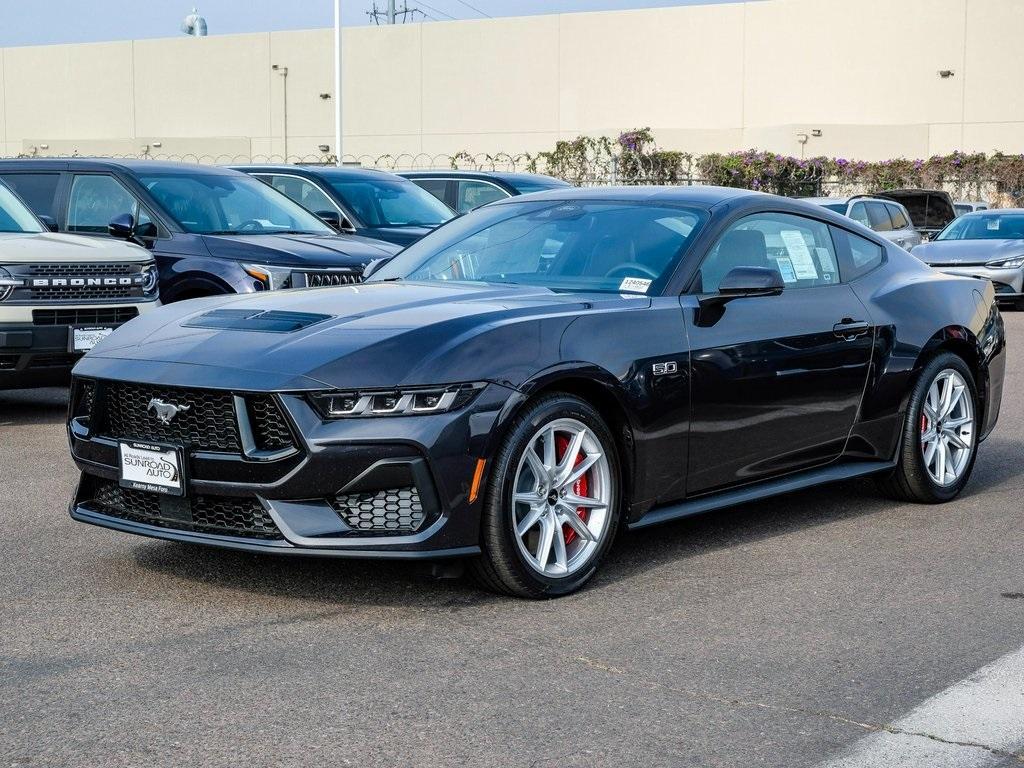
x=412, y=401
x=1014, y=263
x=151, y=275
x=8, y=284
x=270, y=278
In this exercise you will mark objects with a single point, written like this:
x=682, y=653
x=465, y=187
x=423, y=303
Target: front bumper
x=1009, y=283
x=308, y=502
x=33, y=355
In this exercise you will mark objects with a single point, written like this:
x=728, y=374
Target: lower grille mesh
x=396, y=510
x=223, y=515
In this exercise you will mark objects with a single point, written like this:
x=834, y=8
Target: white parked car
x=969, y=206
x=61, y=294
x=886, y=217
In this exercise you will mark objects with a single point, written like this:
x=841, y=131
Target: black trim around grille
x=100, y=316
x=221, y=515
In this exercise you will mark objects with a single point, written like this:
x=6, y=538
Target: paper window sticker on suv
x=799, y=254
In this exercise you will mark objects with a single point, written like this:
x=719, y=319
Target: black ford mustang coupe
x=531, y=378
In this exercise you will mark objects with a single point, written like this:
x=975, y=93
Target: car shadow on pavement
x=411, y=584
x=23, y=407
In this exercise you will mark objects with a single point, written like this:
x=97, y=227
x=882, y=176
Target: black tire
x=910, y=480
x=501, y=567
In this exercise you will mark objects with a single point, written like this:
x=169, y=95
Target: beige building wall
x=767, y=74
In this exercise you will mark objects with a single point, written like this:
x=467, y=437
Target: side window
x=39, y=190
x=303, y=192
x=473, y=194
x=96, y=199
x=859, y=213
x=899, y=219
x=858, y=255
x=437, y=187
x=800, y=249
x=879, y=217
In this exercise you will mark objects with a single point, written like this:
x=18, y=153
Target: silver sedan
x=985, y=244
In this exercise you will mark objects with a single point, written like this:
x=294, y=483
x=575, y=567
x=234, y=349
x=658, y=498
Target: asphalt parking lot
x=776, y=634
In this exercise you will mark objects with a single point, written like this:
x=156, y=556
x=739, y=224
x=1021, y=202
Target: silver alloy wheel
x=561, y=498
x=947, y=427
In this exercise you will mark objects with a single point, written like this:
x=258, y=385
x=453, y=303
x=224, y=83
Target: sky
x=41, y=22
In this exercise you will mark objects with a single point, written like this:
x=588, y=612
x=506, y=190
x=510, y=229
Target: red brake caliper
x=581, y=487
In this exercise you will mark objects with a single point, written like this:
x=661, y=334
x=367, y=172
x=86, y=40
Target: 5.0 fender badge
x=662, y=369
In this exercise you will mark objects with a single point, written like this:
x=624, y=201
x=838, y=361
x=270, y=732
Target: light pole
x=338, y=151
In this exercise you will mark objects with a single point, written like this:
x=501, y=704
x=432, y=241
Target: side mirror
x=49, y=222
x=741, y=282
x=751, y=281
x=375, y=265
x=122, y=227
x=330, y=218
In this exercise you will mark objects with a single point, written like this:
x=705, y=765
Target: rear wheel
x=940, y=440
x=552, y=505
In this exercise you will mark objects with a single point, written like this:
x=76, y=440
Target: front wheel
x=552, y=504
x=940, y=436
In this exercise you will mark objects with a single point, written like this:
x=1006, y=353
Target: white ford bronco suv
x=61, y=294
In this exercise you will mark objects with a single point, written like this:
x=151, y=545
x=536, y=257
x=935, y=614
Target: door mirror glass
x=374, y=266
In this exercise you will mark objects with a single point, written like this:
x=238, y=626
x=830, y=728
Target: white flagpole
x=338, y=149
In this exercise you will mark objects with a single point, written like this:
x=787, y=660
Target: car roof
x=994, y=212
x=106, y=164
x=705, y=196
x=508, y=177
x=850, y=199
x=325, y=171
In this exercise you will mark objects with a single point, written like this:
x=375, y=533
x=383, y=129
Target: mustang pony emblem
x=165, y=412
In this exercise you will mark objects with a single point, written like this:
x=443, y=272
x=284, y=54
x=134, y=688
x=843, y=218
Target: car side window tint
x=857, y=255
x=859, y=213
x=799, y=249
x=437, y=187
x=879, y=217
x=899, y=219
x=473, y=194
x=302, y=191
x=38, y=190
x=96, y=199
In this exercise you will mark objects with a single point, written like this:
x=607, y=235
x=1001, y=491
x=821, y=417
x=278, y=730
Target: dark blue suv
x=212, y=230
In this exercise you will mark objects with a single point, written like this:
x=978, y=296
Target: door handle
x=850, y=329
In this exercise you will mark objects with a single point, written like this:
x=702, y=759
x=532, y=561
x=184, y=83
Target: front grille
x=324, y=279
x=222, y=515
x=82, y=293
x=82, y=270
x=269, y=427
x=209, y=424
x=53, y=361
x=107, y=316
x=395, y=510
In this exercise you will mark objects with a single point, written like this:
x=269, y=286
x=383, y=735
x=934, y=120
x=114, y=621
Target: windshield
x=985, y=226
x=384, y=203
x=15, y=215
x=569, y=246
x=209, y=204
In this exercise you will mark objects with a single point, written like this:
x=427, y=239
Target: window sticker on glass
x=786, y=270
x=634, y=285
x=828, y=266
x=993, y=224
x=799, y=254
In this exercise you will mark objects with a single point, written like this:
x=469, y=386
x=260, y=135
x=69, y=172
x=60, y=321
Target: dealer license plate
x=152, y=468
x=83, y=339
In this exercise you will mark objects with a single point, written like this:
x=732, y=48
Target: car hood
x=300, y=250
x=16, y=248
x=367, y=335
x=953, y=252
x=403, y=236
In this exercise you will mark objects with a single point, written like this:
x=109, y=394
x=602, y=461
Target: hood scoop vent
x=260, y=320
